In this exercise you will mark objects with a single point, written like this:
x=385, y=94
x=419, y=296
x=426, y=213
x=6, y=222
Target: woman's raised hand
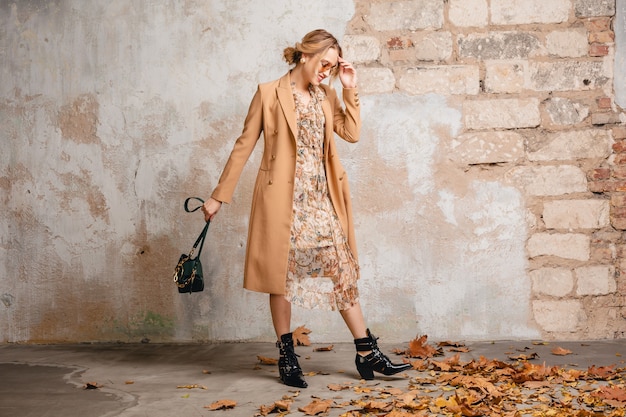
x=347, y=74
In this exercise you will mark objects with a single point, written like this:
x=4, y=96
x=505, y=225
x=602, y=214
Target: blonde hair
x=315, y=42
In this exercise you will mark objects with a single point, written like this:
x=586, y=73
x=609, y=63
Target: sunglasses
x=325, y=66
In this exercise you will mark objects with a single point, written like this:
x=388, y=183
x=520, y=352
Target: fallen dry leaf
x=324, y=348
x=560, y=351
x=300, y=336
x=419, y=349
x=278, y=406
x=91, y=385
x=316, y=407
x=612, y=393
x=602, y=372
x=221, y=405
x=267, y=361
x=337, y=387
x=377, y=406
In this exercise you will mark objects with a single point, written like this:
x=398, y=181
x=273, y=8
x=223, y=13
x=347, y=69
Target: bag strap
x=200, y=239
x=187, y=204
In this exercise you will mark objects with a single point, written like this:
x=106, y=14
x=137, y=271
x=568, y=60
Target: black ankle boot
x=288, y=366
x=376, y=360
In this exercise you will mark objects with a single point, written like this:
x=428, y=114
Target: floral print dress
x=322, y=272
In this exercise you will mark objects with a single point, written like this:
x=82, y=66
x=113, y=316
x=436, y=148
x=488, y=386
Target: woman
x=301, y=247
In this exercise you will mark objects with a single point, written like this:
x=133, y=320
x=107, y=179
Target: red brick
x=619, y=146
x=619, y=132
x=601, y=37
x=619, y=172
x=598, y=49
x=599, y=174
x=618, y=223
x=598, y=24
x=604, y=102
x=618, y=212
x=620, y=159
x=398, y=42
x=601, y=186
x=619, y=186
x=618, y=200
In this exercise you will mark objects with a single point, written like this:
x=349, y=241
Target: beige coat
x=272, y=111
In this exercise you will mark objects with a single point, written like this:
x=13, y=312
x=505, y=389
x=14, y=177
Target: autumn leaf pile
x=440, y=385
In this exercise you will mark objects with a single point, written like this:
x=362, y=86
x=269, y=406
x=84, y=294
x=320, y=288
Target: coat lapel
x=328, y=124
x=285, y=98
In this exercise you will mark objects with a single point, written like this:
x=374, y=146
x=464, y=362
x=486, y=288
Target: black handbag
x=188, y=275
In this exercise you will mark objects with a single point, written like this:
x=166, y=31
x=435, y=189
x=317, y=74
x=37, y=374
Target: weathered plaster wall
x=482, y=120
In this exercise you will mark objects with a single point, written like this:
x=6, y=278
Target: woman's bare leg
x=281, y=314
x=353, y=317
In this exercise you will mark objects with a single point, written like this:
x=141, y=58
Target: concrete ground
x=132, y=380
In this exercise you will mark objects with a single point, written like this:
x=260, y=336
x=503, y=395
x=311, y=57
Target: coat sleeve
x=347, y=123
x=242, y=149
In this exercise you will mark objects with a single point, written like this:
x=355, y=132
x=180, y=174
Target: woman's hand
x=347, y=74
x=210, y=208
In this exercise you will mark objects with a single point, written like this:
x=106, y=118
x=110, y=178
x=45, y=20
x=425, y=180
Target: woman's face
x=319, y=67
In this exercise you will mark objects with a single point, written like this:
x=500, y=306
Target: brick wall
x=534, y=82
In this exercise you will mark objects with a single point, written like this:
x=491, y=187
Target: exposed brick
x=601, y=37
x=619, y=172
x=619, y=132
x=605, y=118
x=398, y=43
x=618, y=199
x=598, y=24
x=620, y=252
x=598, y=49
x=618, y=212
x=604, y=102
x=601, y=186
x=620, y=159
x=601, y=254
x=619, y=146
x=619, y=223
x=619, y=186
x=599, y=174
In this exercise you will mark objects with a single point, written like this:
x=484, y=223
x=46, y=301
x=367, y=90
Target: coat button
x=271, y=182
x=273, y=157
